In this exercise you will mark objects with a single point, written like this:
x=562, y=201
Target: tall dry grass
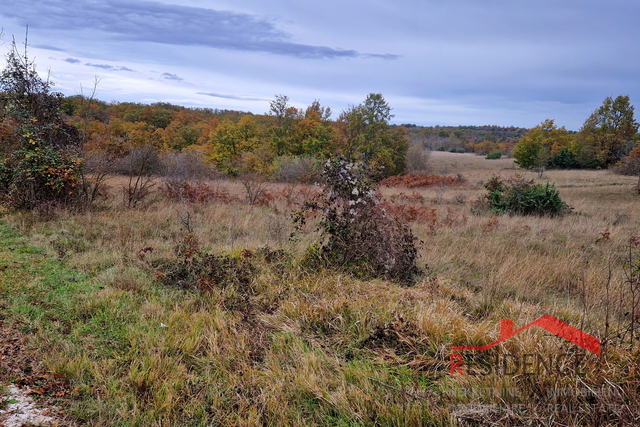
x=322, y=348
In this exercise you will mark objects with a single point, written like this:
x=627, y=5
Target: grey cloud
x=72, y=60
x=241, y=98
x=108, y=67
x=44, y=46
x=387, y=56
x=170, y=24
x=170, y=76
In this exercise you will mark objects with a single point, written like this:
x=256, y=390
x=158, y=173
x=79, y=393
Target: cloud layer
x=171, y=24
x=457, y=62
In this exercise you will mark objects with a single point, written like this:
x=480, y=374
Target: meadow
x=284, y=343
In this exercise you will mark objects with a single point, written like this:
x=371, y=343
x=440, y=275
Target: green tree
x=538, y=148
x=284, y=118
x=365, y=135
x=530, y=152
x=230, y=140
x=607, y=135
x=313, y=134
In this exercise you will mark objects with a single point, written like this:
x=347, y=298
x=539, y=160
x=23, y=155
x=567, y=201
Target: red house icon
x=548, y=322
x=551, y=324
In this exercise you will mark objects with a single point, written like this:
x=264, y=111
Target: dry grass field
x=299, y=346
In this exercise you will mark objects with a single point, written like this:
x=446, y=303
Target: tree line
x=609, y=137
x=468, y=139
x=47, y=137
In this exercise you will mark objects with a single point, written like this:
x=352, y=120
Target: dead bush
x=418, y=159
x=194, y=269
x=182, y=191
x=299, y=169
x=357, y=234
x=141, y=166
x=188, y=166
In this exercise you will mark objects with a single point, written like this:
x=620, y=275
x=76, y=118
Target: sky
x=436, y=62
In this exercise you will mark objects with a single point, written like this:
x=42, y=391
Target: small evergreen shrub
x=516, y=196
x=494, y=155
x=357, y=234
x=564, y=159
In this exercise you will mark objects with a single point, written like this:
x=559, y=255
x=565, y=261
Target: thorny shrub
x=357, y=234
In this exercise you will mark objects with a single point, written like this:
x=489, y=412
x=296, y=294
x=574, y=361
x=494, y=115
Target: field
x=294, y=345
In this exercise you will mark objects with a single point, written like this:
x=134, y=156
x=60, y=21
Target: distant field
x=298, y=346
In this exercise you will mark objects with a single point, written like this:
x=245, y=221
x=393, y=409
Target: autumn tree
x=630, y=165
x=538, y=148
x=530, y=151
x=365, y=135
x=607, y=135
x=312, y=135
x=230, y=140
x=40, y=164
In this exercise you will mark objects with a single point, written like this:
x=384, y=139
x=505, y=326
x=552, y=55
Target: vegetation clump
x=193, y=268
x=357, y=233
x=39, y=157
x=516, y=196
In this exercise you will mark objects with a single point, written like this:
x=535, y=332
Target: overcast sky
x=454, y=62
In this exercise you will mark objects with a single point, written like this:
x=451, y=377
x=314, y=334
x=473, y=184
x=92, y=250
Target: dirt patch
x=18, y=409
x=32, y=394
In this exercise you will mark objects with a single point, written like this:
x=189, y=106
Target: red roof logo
x=551, y=324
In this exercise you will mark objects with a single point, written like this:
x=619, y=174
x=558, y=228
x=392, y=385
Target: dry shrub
x=205, y=272
x=293, y=195
x=140, y=166
x=264, y=199
x=93, y=185
x=418, y=158
x=297, y=169
x=255, y=187
x=183, y=191
x=410, y=213
x=188, y=165
x=413, y=198
x=454, y=218
x=357, y=233
x=415, y=180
